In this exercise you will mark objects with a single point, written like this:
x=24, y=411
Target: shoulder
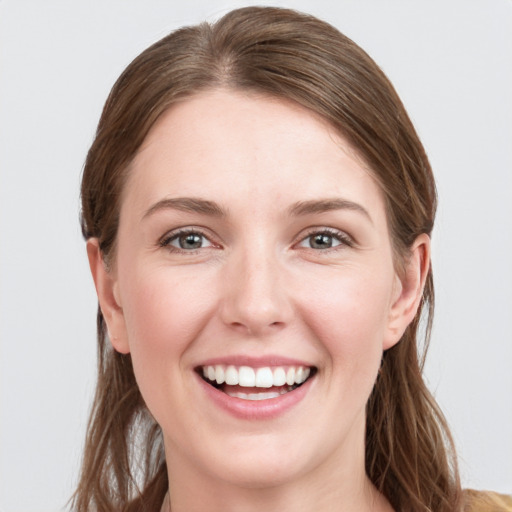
x=486, y=501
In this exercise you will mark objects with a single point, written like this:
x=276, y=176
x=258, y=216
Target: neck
x=370, y=501
x=341, y=485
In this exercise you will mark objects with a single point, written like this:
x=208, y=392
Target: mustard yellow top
x=486, y=501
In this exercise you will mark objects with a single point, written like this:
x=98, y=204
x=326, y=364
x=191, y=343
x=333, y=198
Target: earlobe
x=409, y=290
x=108, y=297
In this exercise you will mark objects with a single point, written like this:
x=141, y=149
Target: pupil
x=321, y=241
x=190, y=241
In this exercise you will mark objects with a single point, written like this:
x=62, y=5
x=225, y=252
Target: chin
x=261, y=474
x=259, y=462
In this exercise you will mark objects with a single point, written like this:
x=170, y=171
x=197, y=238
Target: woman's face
x=253, y=247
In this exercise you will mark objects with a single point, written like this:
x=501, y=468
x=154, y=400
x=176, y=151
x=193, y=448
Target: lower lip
x=256, y=409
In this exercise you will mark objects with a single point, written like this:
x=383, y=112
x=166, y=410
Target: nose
x=255, y=299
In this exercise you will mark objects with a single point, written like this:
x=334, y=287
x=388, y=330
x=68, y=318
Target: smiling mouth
x=250, y=383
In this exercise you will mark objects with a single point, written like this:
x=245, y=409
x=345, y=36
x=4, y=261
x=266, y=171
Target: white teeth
x=257, y=396
x=246, y=377
x=219, y=374
x=264, y=377
x=279, y=377
x=231, y=376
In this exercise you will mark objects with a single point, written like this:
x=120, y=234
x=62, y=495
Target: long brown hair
x=409, y=451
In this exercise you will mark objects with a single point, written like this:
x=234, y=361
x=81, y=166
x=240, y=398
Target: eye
x=186, y=241
x=325, y=239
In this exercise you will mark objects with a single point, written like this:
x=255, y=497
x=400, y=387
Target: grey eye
x=190, y=241
x=320, y=241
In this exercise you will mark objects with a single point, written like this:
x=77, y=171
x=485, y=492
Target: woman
x=257, y=208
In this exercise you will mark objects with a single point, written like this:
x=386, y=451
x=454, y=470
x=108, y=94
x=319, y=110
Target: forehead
x=264, y=149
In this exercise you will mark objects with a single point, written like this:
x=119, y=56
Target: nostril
x=252, y=328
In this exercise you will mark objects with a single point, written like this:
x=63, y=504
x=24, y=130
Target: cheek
x=349, y=313
x=346, y=314
x=164, y=307
x=164, y=311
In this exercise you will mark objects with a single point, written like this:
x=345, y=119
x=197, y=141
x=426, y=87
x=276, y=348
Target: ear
x=108, y=297
x=408, y=290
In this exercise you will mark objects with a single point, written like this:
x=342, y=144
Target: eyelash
x=343, y=239
x=175, y=235
x=333, y=234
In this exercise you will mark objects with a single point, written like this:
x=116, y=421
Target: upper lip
x=255, y=362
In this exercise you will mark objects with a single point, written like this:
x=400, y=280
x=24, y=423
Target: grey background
x=451, y=61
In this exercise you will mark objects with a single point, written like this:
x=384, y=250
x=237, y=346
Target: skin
x=257, y=286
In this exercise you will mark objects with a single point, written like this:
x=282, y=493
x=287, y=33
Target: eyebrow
x=187, y=204
x=205, y=207
x=327, y=205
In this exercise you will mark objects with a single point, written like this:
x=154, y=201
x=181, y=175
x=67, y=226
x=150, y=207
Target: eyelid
x=344, y=238
x=165, y=240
